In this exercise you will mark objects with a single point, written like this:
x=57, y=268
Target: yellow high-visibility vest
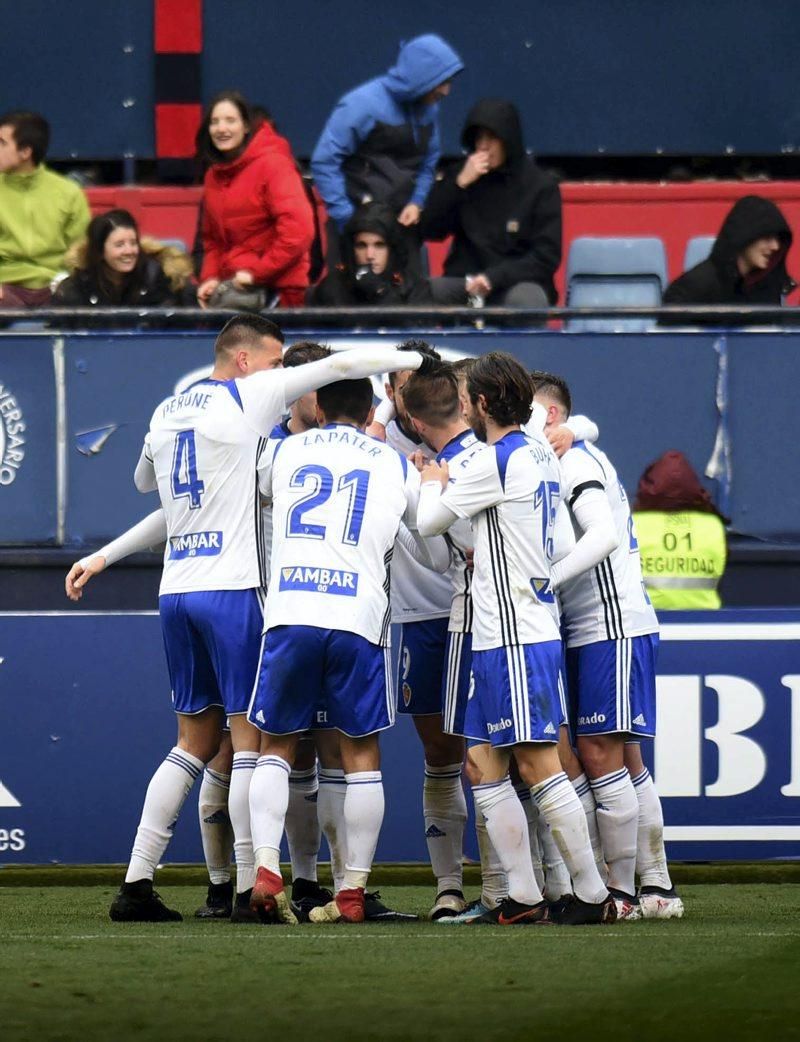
x=683, y=557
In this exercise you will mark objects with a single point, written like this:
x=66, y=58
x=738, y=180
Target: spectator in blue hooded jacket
x=381, y=142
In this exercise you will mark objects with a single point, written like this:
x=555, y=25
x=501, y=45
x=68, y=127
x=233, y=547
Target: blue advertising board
x=29, y=447
x=86, y=401
x=85, y=718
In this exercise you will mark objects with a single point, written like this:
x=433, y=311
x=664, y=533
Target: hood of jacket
x=670, y=484
x=502, y=119
x=176, y=265
x=422, y=64
x=265, y=140
x=380, y=220
x=751, y=218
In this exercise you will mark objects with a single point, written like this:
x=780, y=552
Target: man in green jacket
x=41, y=213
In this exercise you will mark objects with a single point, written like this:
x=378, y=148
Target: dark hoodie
x=506, y=225
x=349, y=285
x=717, y=280
x=671, y=484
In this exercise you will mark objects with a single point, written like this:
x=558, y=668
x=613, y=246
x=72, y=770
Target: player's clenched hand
x=79, y=575
x=561, y=439
x=469, y=553
x=434, y=471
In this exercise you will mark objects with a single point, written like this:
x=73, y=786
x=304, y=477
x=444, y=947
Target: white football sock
x=494, y=883
x=302, y=824
x=445, y=810
x=651, y=857
x=586, y=796
x=508, y=831
x=557, y=880
x=560, y=807
x=363, y=817
x=532, y=817
x=244, y=764
x=617, y=818
x=165, y=796
x=330, y=811
x=215, y=824
x=269, y=799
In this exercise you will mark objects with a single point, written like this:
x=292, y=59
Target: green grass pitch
x=729, y=970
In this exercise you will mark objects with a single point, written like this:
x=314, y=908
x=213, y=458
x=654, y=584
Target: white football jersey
x=607, y=602
x=338, y=497
x=203, y=446
x=511, y=492
x=417, y=592
x=457, y=453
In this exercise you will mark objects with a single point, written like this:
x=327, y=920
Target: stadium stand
x=698, y=249
x=615, y=272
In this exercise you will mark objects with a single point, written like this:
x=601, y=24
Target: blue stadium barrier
x=81, y=733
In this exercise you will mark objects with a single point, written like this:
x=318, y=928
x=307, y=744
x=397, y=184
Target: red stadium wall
x=675, y=212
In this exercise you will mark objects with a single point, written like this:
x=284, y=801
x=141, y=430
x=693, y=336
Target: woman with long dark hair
x=258, y=225
x=114, y=268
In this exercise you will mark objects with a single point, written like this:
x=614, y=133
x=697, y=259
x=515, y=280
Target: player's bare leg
x=216, y=832
x=269, y=800
x=657, y=895
x=445, y=812
x=617, y=811
x=198, y=742
x=363, y=817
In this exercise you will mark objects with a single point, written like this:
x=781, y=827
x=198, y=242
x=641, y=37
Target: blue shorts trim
x=311, y=677
x=212, y=640
x=421, y=669
x=515, y=697
x=612, y=686
x=457, y=682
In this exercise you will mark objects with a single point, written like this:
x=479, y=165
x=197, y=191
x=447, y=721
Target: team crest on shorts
x=406, y=695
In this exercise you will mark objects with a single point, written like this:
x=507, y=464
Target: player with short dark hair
x=201, y=454
x=510, y=491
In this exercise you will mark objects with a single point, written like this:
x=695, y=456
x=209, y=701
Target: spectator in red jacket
x=257, y=222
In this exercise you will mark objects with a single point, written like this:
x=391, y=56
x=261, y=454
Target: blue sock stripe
x=640, y=779
x=273, y=761
x=331, y=781
x=187, y=766
x=583, y=788
x=485, y=786
x=524, y=793
x=609, y=779
x=444, y=777
x=221, y=779
x=245, y=760
x=370, y=781
x=549, y=785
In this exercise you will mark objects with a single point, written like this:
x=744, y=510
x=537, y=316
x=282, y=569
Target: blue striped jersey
x=203, y=447
x=338, y=497
x=609, y=601
x=511, y=492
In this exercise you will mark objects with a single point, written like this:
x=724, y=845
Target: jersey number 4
x=355, y=483
x=185, y=481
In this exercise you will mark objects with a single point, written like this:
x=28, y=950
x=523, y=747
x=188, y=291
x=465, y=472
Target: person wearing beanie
x=681, y=535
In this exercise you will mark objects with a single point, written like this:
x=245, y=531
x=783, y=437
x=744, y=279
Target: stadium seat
x=698, y=250
x=615, y=272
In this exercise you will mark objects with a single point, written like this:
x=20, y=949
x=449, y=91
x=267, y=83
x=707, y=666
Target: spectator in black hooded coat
x=503, y=212
x=747, y=263
x=374, y=271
